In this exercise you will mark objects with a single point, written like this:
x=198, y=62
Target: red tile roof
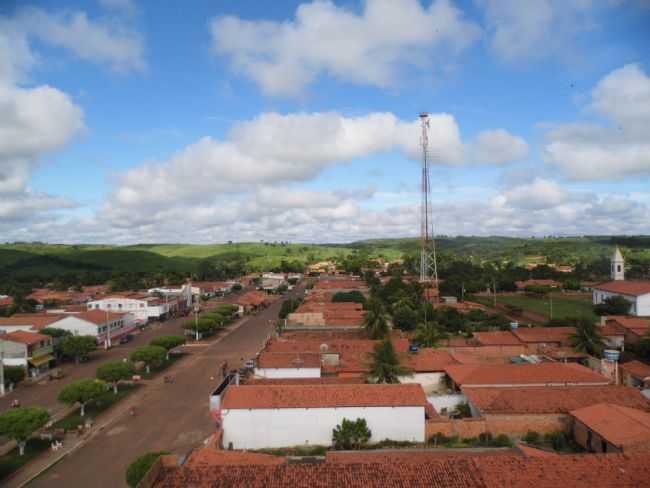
x=324, y=380
x=542, y=374
x=428, y=360
x=496, y=471
x=409, y=456
x=497, y=338
x=274, y=360
x=632, y=324
x=626, y=428
x=544, y=334
x=637, y=369
x=323, y=396
x=6, y=301
x=550, y=283
x=218, y=457
x=340, y=284
x=97, y=317
x=535, y=452
x=542, y=400
x=37, y=321
x=253, y=298
x=633, y=288
x=25, y=337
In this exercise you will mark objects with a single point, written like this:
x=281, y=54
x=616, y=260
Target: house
x=327, y=315
x=209, y=289
x=256, y=417
x=636, y=292
x=610, y=428
x=382, y=470
x=542, y=409
x=272, y=281
x=30, y=350
x=288, y=365
x=106, y=327
x=497, y=338
x=632, y=328
x=613, y=336
x=522, y=285
x=140, y=305
x=5, y=302
x=321, y=267
x=28, y=321
x=521, y=375
x=252, y=301
x=635, y=373
x=541, y=337
x=428, y=367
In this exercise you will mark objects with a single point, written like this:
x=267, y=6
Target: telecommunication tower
x=428, y=263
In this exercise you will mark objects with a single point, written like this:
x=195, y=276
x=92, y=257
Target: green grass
x=564, y=307
x=105, y=401
x=11, y=462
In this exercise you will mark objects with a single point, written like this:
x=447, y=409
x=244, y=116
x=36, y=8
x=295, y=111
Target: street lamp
x=196, y=320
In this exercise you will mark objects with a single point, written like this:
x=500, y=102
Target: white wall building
x=635, y=292
x=265, y=416
x=143, y=307
x=288, y=365
x=107, y=328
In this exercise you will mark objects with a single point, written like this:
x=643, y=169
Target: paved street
x=170, y=416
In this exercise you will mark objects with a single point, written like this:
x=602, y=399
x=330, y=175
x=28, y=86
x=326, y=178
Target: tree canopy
x=150, y=356
x=20, y=423
x=82, y=392
x=385, y=366
x=376, y=319
x=138, y=468
x=351, y=434
x=115, y=372
x=587, y=338
x=77, y=346
x=615, y=305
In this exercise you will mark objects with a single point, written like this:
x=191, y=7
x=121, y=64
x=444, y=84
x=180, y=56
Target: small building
x=540, y=337
x=272, y=281
x=522, y=285
x=106, y=327
x=497, y=338
x=5, y=302
x=32, y=322
x=609, y=428
x=30, y=350
x=288, y=365
x=523, y=375
x=252, y=301
x=257, y=417
x=635, y=373
x=636, y=292
x=428, y=367
x=632, y=328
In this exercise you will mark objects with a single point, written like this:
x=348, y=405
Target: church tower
x=618, y=266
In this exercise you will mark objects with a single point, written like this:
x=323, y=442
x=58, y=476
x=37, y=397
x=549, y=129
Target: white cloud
x=366, y=48
x=521, y=30
x=96, y=41
x=497, y=147
x=588, y=151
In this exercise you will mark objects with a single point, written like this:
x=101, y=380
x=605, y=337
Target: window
x=618, y=268
x=119, y=306
x=603, y=446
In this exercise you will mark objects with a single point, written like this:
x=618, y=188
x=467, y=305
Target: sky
x=133, y=121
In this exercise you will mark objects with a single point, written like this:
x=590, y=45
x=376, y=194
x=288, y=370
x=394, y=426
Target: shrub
x=531, y=437
x=14, y=374
x=138, y=468
x=502, y=440
x=558, y=440
x=351, y=434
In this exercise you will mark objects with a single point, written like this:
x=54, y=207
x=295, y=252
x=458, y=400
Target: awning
x=41, y=360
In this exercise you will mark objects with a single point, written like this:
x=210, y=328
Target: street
x=170, y=416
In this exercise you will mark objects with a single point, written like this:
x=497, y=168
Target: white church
x=636, y=292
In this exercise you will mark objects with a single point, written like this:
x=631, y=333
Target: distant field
x=563, y=306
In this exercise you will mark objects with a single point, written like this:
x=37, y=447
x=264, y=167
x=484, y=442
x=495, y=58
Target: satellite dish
x=324, y=348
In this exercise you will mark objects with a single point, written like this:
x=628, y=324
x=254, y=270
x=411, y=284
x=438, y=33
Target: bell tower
x=618, y=266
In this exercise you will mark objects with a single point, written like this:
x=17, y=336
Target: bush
x=354, y=296
x=558, y=440
x=502, y=440
x=14, y=374
x=351, y=434
x=236, y=287
x=138, y=468
x=531, y=437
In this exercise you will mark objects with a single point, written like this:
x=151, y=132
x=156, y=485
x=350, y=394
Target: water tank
x=514, y=325
x=611, y=354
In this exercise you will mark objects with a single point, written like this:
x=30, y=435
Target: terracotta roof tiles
x=544, y=334
x=637, y=369
x=622, y=426
x=25, y=337
x=633, y=288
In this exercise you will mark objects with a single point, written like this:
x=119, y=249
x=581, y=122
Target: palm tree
x=587, y=338
x=385, y=366
x=429, y=334
x=376, y=320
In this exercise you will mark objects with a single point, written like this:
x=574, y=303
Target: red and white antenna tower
x=428, y=263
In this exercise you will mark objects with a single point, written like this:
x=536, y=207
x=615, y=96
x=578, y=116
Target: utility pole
x=196, y=320
x=494, y=292
x=2, y=369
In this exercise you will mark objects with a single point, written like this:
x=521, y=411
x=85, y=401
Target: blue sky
x=128, y=121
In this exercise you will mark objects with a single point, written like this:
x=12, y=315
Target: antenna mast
x=428, y=262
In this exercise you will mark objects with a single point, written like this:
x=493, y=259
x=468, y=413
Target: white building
x=288, y=365
x=265, y=416
x=636, y=292
x=272, y=281
x=142, y=307
x=106, y=327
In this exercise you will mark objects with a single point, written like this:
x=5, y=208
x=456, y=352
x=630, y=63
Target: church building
x=636, y=292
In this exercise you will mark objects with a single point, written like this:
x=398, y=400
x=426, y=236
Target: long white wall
x=285, y=427
x=287, y=372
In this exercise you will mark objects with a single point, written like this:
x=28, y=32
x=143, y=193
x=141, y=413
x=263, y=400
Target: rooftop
x=97, y=317
x=634, y=324
x=428, y=360
x=622, y=426
x=542, y=400
x=25, y=337
x=324, y=380
x=636, y=368
x=497, y=338
x=633, y=288
x=37, y=321
x=288, y=360
x=218, y=457
x=323, y=396
x=542, y=374
x=544, y=334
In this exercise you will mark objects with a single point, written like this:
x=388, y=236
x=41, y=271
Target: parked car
x=126, y=338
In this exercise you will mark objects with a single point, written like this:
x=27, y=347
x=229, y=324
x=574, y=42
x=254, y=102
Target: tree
x=14, y=374
x=55, y=333
x=20, y=423
x=138, y=468
x=150, y=356
x=354, y=296
x=404, y=317
x=616, y=305
x=82, y=392
x=77, y=346
x=351, y=434
x=643, y=347
x=169, y=342
x=114, y=372
x=375, y=321
x=385, y=366
x=203, y=325
x=429, y=334
x=587, y=338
